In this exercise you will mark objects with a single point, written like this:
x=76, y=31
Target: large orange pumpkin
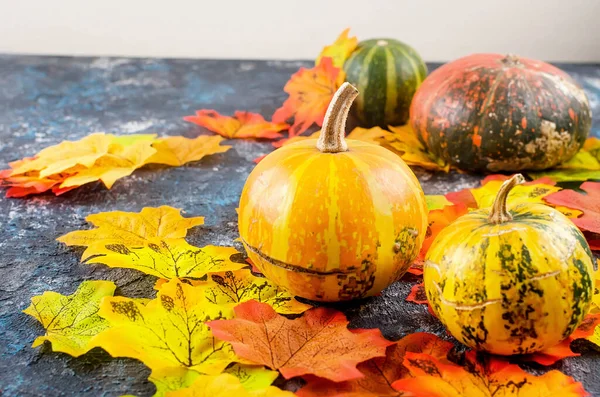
x=331, y=220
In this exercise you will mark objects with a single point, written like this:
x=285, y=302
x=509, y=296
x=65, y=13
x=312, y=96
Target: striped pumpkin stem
x=332, y=138
x=499, y=213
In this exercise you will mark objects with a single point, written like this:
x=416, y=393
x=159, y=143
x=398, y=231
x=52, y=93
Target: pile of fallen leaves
x=100, y=157
x=216, y=327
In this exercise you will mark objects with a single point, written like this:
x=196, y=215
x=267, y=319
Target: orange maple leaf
x=563, y=350
x=310, y=91
x=588, y=203
x=417, y=294
x=379, y=373
x=317, y=343
x=241, y=125
x=483, y=377
x=438, y=220
x=340, y=50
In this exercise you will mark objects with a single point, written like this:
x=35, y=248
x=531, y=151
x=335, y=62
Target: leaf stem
x=332, y=138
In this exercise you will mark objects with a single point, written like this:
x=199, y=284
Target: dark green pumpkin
x=387, y=74
x=490, y=113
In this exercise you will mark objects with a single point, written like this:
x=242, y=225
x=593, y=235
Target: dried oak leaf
x=178, y=150
x=310, y=91
x=317, y=343
x=495, y=377
x=379, y=373
x=168, y=331
x=234, y=287
x=241, y=125
x=588, y=203
x=340, y=50
x=225, y=385
x=71, y=321
x=405, y=143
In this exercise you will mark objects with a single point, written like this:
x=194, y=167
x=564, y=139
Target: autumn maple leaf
x=437, y=220
x=310, y=91
x=241, y=125
x=379, y=373
x=167, y=332
x=151, y=242
x=563, y=350
x=417, y=294
x=71, y=321
x=588, y=203
x=178, y=150
x=432, y=377
x=340, y=50
x=317, y=343
x=403, y=141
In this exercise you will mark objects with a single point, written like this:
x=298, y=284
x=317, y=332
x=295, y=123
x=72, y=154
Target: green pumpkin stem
x=332, y=138
x=499, y=213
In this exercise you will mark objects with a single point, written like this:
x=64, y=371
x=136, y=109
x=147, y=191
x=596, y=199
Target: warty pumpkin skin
x=489, y=112
x=330, y=224
x=510, y=282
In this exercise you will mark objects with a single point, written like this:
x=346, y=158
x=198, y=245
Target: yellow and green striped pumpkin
x=387, y=74
x=510, y=282
x=331, y=219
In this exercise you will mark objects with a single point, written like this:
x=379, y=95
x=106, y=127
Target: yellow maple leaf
x=404, y=141
x=225, y=385
x=230, y=288
x=58, y=158
x=436, y=202
x=168, y=331
x=178, y=150
x=167, y=258
x=340, y=50
x=372, y=135
x=120, y=162
x=169, y=379
x=583, y=166
x=71, y=321
x=131, y=228
x=151, y=242
x=486, y=194
x=252, y=377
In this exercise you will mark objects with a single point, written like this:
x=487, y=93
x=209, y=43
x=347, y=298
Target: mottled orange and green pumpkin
x=331, y=220
x=510, y=282
x=490, y=112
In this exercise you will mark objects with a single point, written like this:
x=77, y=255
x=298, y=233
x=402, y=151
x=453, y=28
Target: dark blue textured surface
x=44, y=100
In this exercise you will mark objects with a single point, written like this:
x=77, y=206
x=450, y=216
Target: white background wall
x=555, y=30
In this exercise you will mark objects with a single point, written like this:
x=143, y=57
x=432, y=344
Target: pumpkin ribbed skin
x=332, y=226
x=514, y=287
x=490, y=112
x=387, y=73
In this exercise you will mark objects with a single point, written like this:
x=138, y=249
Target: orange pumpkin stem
x=332, y=138
x=499, y=213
